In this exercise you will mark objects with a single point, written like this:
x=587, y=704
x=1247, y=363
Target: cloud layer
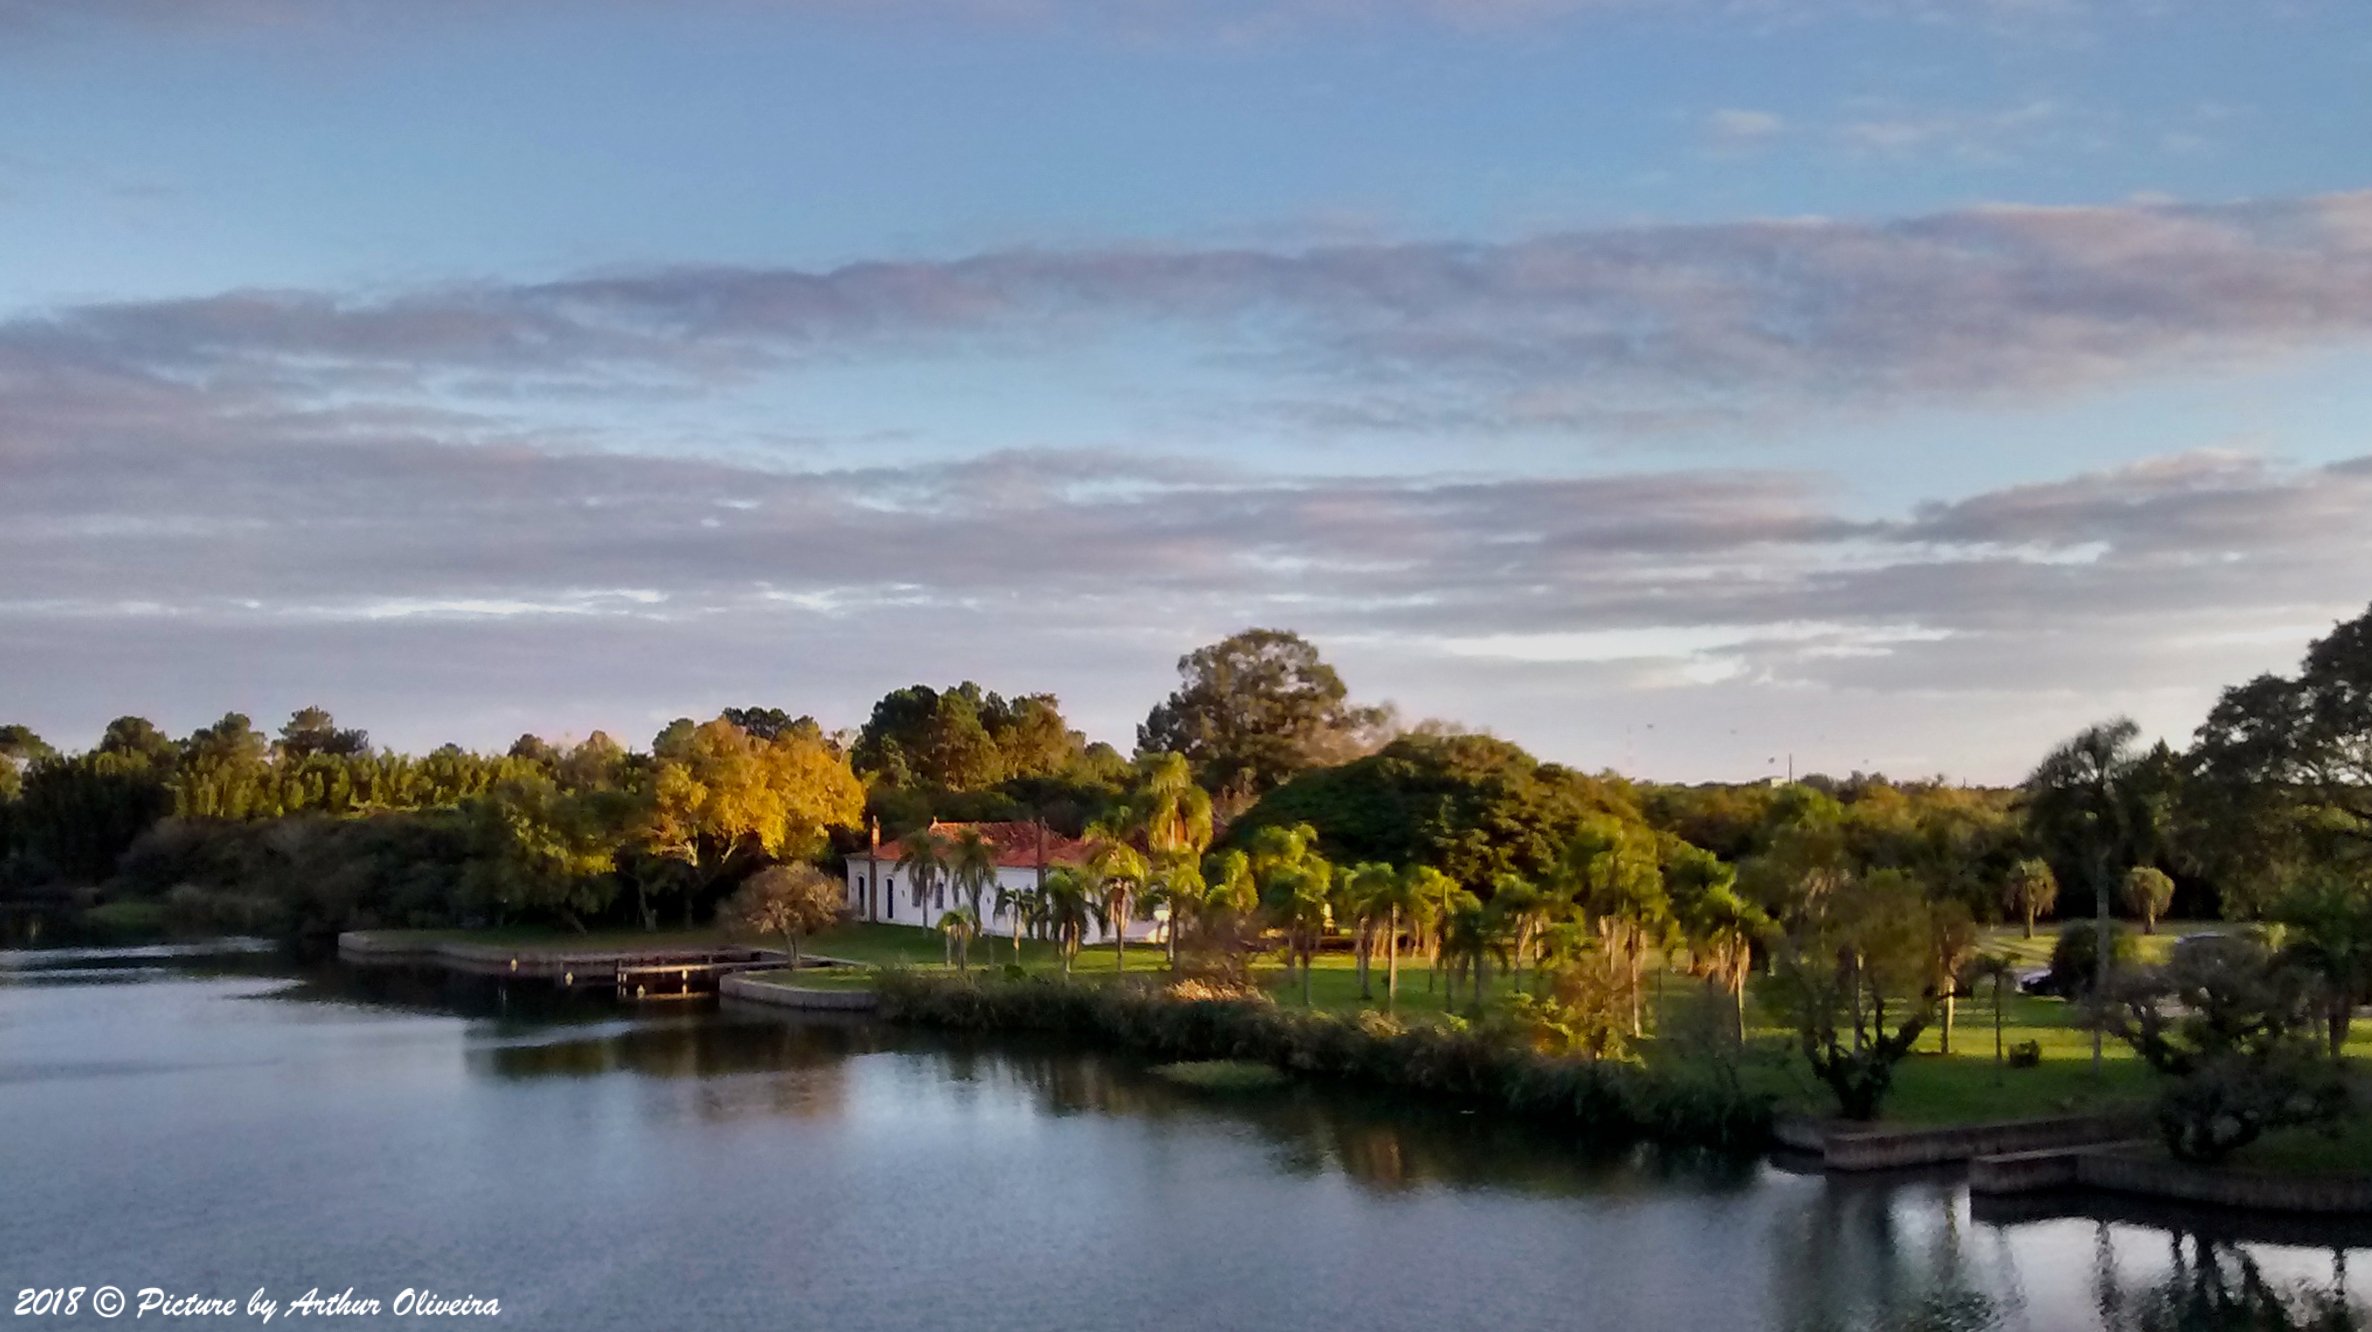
x=258, y=498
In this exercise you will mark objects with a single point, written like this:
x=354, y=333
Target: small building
x=1025, y=852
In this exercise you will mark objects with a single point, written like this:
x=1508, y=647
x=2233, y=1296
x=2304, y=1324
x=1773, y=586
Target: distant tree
x=535, y=749
x=597, y=763
x=1255, y=708
x=311, y=730
x=674, y=739
x=538, y=850
x=2031, y=890
x=1471, y=806
x=772, y=723
x=788, y=902
x=2148, y=892
x=138, y=738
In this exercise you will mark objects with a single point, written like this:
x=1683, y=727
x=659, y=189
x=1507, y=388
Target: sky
x=1688, y=387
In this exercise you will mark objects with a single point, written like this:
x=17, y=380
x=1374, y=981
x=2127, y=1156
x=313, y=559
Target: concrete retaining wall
x=792, y=996
x=2222, y=1186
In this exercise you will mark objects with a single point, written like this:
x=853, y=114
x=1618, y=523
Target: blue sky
x=1671, y=384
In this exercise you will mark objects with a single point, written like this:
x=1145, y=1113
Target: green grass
x=1931, y=1088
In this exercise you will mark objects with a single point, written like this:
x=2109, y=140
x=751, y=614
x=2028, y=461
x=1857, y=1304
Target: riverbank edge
x=2130, y=1169
x=541, y=961
x=1844, y=1145
x=776, y=994
x=1610, y=1102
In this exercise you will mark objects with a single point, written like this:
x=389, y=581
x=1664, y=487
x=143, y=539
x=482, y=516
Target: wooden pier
x=643, y=973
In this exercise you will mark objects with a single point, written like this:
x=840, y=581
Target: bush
x=2026, y=1054
x=1612, y=1102
x=2075, y=956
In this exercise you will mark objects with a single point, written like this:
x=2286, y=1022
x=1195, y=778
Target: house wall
x=877, y=891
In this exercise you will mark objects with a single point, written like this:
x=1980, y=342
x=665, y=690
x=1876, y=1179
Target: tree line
x=1264, y=807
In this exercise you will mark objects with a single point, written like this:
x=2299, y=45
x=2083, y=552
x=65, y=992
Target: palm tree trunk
x=1392, y=963
x=1950, y=1000
x=1120, y=947
x=1997, y=977
x=1305, y=979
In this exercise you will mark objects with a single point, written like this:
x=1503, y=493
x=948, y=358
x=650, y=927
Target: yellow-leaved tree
x=722, y=798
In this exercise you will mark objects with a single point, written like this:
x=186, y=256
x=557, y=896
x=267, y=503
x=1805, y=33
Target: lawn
x=1930, y=1088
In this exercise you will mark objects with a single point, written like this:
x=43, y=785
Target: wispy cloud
x=1654, y=324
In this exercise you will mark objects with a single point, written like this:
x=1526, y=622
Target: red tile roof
x=1017, y=844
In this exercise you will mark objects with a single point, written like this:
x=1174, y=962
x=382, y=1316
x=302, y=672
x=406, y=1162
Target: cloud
x=464, y=505
x=1655, y=324
x=1737, y=128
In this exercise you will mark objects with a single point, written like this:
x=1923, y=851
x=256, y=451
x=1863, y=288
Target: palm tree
x=1228, y=884
x=2031, y=890
x=1069, y=907
x=1175, y=885
x=1364, y=897
x=1407, y=903
x=1442, y=895
x=2084, y=797
x=1172, y=813
x=1613, y=872
x=970, y=863
x=960, y=925
x=1525, y=910
x=1294, y=883
x=922, y=858
x=1997, y=968
x=1117, y=874
x=1468, y=932
x=1022, y=904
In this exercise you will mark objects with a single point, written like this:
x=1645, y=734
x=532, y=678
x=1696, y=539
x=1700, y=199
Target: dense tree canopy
x=1256, y=708
x=1471, y=806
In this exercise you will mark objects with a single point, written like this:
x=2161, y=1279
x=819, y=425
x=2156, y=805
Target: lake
x=209, y=1123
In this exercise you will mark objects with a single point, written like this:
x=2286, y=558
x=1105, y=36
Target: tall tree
x=2083, y=799
x=1255, y=708
x=729, y=798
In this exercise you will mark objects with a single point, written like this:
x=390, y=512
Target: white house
x=878, y=890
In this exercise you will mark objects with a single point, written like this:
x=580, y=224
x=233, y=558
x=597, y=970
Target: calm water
x=212, y=1124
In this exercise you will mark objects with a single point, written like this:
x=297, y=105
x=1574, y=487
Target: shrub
x=2075, y=956
x=2026, y=1054
x=1611, y=1101
x=2228, y=1025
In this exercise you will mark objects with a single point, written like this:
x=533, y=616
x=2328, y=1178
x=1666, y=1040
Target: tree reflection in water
x=1897, y=1253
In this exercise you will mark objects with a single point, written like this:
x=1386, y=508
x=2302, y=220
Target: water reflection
x=497, y=1128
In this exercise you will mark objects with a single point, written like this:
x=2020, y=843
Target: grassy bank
x=1931, y=1088
x=1607, y=1102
